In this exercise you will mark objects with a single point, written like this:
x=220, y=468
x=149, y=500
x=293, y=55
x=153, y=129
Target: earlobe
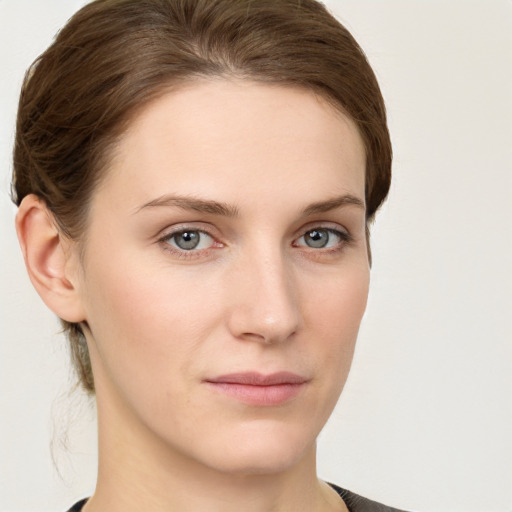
x=50, y=259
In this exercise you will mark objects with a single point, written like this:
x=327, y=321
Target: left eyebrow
x=334, y=203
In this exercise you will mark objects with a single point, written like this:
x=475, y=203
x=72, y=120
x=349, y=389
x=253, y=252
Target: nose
x=264, y=299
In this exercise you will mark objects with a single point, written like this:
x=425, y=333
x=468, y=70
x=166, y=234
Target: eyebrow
x=194, y=204
x=227, y=210
x=334, y=203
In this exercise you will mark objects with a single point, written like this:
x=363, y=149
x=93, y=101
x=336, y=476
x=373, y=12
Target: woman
x=195, y=181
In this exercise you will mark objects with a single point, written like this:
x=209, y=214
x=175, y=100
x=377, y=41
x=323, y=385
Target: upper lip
x=259, y=379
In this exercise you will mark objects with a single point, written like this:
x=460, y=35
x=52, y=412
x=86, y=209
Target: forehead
x=223, y=136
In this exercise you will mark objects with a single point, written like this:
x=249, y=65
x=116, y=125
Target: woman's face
x=225, y=274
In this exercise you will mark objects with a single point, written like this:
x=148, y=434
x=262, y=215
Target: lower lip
x=276, y=394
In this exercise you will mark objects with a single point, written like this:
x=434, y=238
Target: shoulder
x=356, y=503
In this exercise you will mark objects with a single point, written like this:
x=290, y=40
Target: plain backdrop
x=425, y=421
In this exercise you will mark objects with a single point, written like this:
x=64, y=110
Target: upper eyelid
x=180, y=228
x=343, y=234
x=331, y=226
x=213, y=232
x=170, y=234
x=326, y=228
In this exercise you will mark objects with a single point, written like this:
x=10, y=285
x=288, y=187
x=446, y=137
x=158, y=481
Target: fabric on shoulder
x=356, y=503
x=77, y=507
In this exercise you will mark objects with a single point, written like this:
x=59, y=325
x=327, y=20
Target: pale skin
x=228, y=235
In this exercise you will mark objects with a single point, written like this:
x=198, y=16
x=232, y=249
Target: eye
x=322, y=238
x=189, y=240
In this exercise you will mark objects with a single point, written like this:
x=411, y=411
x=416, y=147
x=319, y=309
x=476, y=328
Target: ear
x=51, y=259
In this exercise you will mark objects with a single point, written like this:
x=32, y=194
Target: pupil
x=187, y=240
x=317, y=238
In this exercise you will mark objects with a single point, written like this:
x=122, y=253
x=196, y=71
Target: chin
x=262, y=463
x=267, y=451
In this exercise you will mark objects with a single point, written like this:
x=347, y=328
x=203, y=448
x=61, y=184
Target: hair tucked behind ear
x=114, y=56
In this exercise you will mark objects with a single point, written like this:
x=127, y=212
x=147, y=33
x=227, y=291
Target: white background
x=425, y=421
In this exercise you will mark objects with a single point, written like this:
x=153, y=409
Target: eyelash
x=345, y=238
x=164, y=241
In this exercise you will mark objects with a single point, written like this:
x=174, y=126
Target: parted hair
x=114, y=56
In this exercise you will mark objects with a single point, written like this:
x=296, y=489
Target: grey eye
x=323, y=238
x=187, y=240
x=317, y=238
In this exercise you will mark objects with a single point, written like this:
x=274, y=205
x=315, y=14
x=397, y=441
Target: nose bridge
x=266, y=306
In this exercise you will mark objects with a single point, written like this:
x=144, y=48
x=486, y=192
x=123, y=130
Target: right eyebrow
x=334, y=203
x=193, y=204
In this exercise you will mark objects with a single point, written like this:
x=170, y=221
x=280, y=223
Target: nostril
x=252, y=324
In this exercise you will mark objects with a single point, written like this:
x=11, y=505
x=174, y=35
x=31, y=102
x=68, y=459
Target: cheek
x=145, y=323
x=139, y=297
x=339, y=304
x=334, y=315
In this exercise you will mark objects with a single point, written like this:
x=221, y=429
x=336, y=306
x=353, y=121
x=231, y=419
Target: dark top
x=78, y=506
x=354, y=502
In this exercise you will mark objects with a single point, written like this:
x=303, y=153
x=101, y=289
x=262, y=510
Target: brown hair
x=114, y=56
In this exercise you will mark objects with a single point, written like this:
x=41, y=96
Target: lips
x=254, y=388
